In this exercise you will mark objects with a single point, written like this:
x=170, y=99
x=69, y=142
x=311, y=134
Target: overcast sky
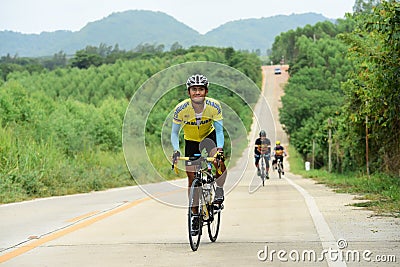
x=35, y=16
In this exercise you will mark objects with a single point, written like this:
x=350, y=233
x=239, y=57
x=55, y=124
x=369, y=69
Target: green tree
x=373, y=90
x=313, y=94
x=84, y=60
x=58, y=60
x=362, y=6
x=176, y=46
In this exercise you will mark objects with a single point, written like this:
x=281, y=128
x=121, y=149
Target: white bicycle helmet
x=197, y=79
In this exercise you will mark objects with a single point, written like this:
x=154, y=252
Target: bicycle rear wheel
x=279, y=173
x=195, y=203
x=214, y=220
x=279, y=170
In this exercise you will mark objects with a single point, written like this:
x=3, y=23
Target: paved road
x=275, y=225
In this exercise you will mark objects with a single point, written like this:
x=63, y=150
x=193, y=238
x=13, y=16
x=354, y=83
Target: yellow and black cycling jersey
x=279, y=151
x=197, y=129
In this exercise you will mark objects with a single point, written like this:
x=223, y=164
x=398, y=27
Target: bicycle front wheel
x=263, y=171
x=214, y=221
x=194, y=215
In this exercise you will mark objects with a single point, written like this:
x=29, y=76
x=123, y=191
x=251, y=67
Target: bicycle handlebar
x=208, y=159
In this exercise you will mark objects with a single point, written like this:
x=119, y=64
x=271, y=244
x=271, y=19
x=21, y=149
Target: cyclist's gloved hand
x=220, y=154
x=175, y=156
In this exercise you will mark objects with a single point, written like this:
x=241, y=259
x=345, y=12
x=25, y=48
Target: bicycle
x=279, y=167
x=264, y=165
x=201, y=194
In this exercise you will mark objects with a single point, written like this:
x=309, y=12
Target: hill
x=130, y=28
x=251, y=34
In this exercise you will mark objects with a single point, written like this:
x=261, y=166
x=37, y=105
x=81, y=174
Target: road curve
x=273, y=225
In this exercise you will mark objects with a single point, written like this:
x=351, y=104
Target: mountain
x=130, y=28
x=251, y=34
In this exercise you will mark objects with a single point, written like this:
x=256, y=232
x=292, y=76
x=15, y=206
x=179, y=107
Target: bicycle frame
x=204, y=178
x=201, y=196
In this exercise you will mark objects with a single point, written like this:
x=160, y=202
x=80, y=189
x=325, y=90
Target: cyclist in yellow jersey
x=201, y=119
x=278, y=153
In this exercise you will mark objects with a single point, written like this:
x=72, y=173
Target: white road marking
x=324, y=232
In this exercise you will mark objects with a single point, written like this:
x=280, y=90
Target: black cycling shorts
x=194, y=147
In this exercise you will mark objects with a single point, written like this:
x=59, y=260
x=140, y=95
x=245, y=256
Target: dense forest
x=344, y=83
x=61, y=128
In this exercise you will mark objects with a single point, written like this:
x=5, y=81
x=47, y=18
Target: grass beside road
x=381, y=191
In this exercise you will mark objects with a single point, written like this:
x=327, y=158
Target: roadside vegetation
x=61, y=129
x=341, y=105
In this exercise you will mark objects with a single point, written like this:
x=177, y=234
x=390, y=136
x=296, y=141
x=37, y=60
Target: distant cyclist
x=278, y=153
x=201, y=120
x=262, y=147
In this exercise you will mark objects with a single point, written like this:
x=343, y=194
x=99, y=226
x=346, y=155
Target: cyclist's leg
x=267, y=159
x=190, y=174
x=256, y=160
x=267, y=165
x=209, y=143
x=191, y=148
x=221, y=177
